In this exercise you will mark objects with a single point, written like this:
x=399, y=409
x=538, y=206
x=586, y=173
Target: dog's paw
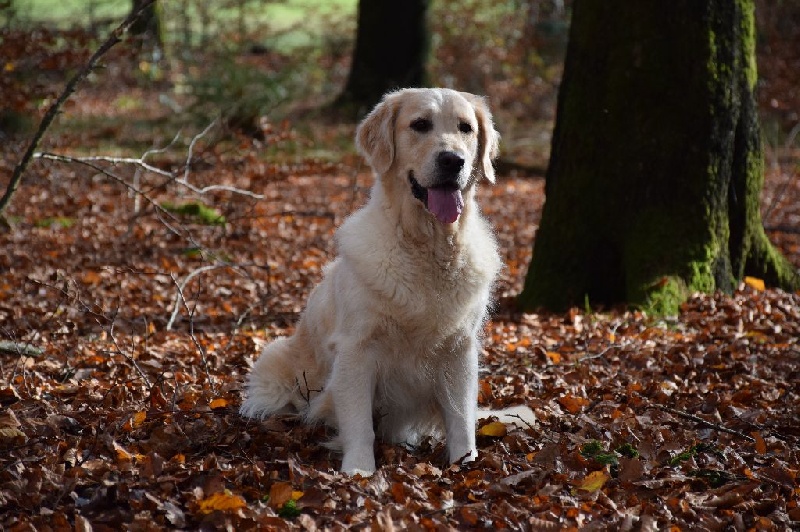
x=358, y=463
x=462, y=457
x=353, y=472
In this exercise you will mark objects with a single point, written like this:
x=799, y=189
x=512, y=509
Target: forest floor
x=128, y=321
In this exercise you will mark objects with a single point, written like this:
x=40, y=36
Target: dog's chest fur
x=426, y=287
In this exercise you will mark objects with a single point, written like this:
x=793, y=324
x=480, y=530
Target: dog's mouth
x=444, y=202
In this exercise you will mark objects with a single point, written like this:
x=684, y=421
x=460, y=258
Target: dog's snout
x=449, y=162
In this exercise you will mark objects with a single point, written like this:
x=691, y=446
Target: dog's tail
x=272, y=387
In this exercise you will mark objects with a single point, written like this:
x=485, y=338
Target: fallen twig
x=701, y=421
x=196, y=342
x=179, y=299
x=129, y=358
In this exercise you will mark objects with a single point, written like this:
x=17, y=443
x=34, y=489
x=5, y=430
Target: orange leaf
x=593, y=481
x=224, y=502
x=754, y=282
x=399, y=492
x=553, y=357
x=91, y=277
x=122, y=454
x=485, y=392
x=219, y=402
x=469, y=516
x=572, y=404
x=135, y=421
x=495, y=429
x=761, y=445
x=157, y=399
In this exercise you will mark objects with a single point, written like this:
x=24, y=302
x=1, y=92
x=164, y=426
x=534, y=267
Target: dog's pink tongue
x=445, y=204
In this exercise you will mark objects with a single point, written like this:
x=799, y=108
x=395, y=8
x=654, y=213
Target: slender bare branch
x=179, y=299
x=129, y=358
x=114, y=38
x=140, y=162
x=188, y=165
x=197, y=344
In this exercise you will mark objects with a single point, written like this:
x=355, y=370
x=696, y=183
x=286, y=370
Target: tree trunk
x=656, y=165
x=391, y=50
x=147, y=27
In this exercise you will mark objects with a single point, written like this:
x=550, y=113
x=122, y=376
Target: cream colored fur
x=389, y=340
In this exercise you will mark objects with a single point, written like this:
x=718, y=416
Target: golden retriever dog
x=389, y=340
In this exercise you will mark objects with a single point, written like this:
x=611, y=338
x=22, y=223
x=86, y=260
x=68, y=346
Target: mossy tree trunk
x=656, y=165
x=391, y=52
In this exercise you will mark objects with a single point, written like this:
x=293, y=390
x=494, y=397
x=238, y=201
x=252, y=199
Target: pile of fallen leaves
x=111, y=419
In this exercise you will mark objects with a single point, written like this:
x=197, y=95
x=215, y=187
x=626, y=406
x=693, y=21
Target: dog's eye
x=421, y=125
x=464, y=127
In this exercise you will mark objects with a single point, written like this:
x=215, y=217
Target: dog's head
x=438, y=141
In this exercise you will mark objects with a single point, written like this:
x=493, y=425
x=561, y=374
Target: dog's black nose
x=449, y=162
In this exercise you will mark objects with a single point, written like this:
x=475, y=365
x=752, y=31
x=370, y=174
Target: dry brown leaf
x=10, y=434
x=760, y=444
x=279, y=494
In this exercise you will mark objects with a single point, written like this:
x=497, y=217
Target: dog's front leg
x=353, y=385
x=459, y=406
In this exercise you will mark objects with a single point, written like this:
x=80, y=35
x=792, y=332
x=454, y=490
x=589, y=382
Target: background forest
x=181, y=207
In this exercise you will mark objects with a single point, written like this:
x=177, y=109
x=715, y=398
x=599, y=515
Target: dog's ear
x=488, y=137
x=375, y=134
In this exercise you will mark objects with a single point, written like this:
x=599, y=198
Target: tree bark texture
x=391, y=50
x=656, y=165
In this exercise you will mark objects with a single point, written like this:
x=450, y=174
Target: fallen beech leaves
x=109, y=420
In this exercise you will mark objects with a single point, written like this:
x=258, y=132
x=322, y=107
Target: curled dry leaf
x=10, y=434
